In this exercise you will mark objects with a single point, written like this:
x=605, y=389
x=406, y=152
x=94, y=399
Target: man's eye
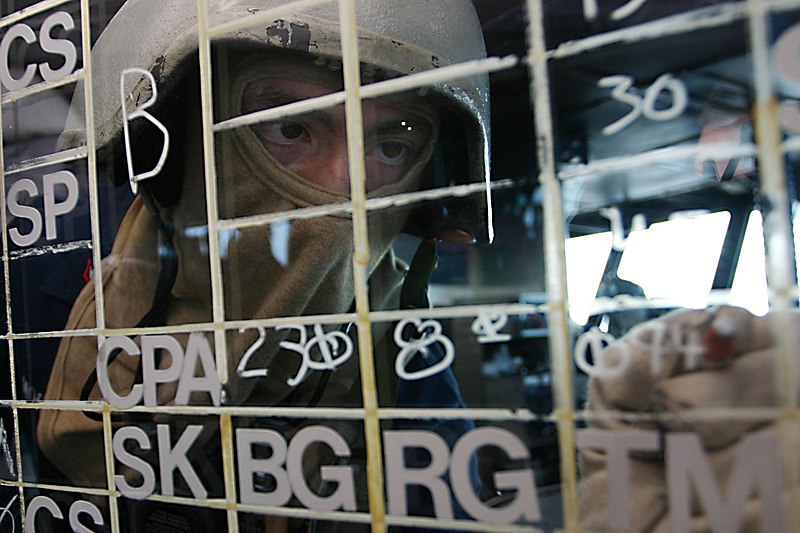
x=392, y=152
x=284, y=131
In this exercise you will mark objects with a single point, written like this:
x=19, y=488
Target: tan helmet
x=395, y=36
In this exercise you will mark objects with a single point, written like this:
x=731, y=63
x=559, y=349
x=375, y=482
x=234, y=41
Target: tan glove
x=715, y=358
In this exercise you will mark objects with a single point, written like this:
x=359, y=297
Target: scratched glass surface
x=785, y=39
x=57, y=511
x=5, y=373
x=292, y=151
x=689, y=89
x=571, y=20
x=459, y=272
x=48, y=210
x=8, y=452
x=45, y=46
x=50, y=243
x=33, y=364
x=317, y=464
x=490, y=471
x=44, y=287
x=294, y=365
x=703, y=459
x=156, y=516
x=251, y=521
x=655, y=95
x=39, y=467
x=32, y=124
x=667, y=285
x=149, y=449
x=496, y=359
x=10, y=518
x=282, y=269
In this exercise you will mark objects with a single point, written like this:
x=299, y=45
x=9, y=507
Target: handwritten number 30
x=646, y=105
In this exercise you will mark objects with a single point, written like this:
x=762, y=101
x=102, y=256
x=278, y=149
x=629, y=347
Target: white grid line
x=375, y=90
x=555, y=267
x=35, y=9
x=454, y=312
x=66, y=156
x=212, y=206
x=42, y=87
x=94, y=220
x=778, y=232
x=215, y=261
x=371, y=204
x=703, y=18
x=697, y=152
x=497, y=414
x=361, y=255
x=7, y=293
x=50, y=249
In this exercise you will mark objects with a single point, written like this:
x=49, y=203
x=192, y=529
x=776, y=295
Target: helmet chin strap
x=414, y=294
x=168, y=271
x=168, y=262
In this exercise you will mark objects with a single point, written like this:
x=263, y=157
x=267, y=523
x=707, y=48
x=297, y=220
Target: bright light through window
x=749, y=288
x=676, y=259
x=586, y=258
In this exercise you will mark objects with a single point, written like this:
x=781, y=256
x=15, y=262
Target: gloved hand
x=714, y=358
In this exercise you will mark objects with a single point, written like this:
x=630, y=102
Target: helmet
x=396, y=37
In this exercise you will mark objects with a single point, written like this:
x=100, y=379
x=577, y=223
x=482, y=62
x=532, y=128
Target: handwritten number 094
x=645, y=105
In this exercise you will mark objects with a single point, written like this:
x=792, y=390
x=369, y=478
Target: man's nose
x=331, y=171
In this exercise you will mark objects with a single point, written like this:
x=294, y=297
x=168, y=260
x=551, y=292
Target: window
x=301, y=266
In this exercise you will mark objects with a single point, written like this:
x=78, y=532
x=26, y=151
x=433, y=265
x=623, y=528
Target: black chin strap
x=414, y=293
x=168, y=263
x=156, y=316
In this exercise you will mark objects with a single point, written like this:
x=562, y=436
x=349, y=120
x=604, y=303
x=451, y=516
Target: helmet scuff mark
x=158, y=67
x=294, y=36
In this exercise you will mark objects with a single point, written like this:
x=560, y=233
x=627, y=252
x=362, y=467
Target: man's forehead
x=280, y=79
x=286, y=89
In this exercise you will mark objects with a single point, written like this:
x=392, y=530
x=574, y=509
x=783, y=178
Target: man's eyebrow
x=267, y=99
x=270, y=98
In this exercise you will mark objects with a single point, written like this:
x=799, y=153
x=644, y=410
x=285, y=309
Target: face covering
x=298, y=267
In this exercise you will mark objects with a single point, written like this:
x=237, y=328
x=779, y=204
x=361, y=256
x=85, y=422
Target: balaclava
x=302, y=268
